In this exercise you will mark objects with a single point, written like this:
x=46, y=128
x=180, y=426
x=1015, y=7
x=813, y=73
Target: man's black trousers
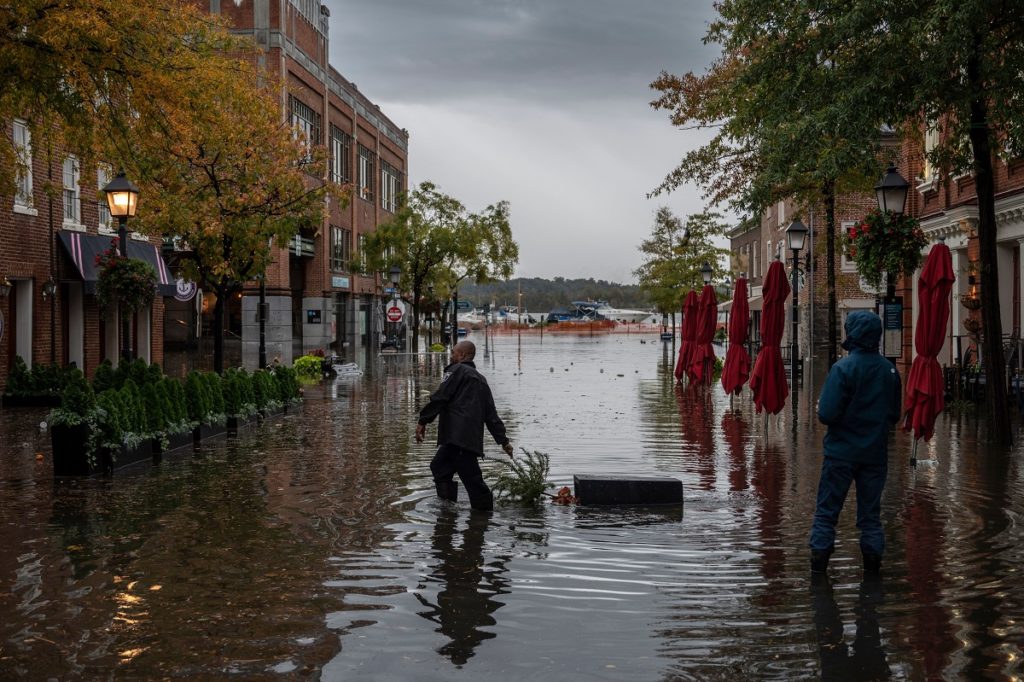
x=451, y=460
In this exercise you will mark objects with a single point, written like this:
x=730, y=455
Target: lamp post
x=891, y=195
x=706, y=272
x=122, y=200
x=796, y=233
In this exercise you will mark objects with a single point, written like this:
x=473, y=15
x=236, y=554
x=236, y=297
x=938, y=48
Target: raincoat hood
x=863, y=331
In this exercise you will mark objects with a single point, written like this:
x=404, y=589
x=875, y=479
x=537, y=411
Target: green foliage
x=886, y=244
x=138, y=371
x=113, y=422
x=525, y=480
x=106, y=378
x=674, y=255
x=41, y=380
x=177, y=409
x=155, y=405
x=215, y=389
x=309, y=368
x=19, y=381
x=437, y=348
x=265, y=390
x=287, y=383
x=78, y=397
x=197, y=397
x=239, y=398
x=124, y=283
x=136, y=407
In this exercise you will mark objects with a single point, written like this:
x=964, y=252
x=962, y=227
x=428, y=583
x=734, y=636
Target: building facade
x=316, y=299
x=48, y=244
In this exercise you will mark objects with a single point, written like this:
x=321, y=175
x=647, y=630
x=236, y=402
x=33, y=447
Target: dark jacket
x=861, y=398
x=465, y=404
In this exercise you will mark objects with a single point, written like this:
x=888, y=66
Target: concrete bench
x=635, y=490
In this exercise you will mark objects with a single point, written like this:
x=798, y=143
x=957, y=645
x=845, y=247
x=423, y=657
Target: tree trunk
x=992, y=326
x=829, y=190
x=218, y=330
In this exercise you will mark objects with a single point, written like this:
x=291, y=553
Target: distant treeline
x=544, y=295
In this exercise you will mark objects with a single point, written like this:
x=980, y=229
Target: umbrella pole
x=913, y=454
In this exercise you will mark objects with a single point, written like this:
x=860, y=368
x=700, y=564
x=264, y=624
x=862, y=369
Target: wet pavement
x=313, y=545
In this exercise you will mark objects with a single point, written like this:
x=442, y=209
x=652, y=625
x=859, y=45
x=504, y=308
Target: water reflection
x=314, y=545
x=468, y=588
x=864, y=658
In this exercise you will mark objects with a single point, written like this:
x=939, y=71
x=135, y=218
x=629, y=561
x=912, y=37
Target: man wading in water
x=465, y=404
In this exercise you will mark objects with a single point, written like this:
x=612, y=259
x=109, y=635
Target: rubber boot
x=819, y=559
x=872, y=564
x=447, y=490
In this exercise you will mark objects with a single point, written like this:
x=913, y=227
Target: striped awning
x=82, y=249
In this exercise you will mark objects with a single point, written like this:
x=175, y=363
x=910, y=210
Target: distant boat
x=600, y=310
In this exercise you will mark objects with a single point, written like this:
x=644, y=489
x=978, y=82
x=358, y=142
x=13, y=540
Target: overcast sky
x=544, y=103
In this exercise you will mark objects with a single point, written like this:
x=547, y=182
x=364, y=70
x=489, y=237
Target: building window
x=341, y=248
x=390, y=186
x=782, y=212
x=341, y=156
x=361, y=245
x=931, y=141
x=103, y=176
x=72, y=198
x=23, y=175
x=847, y=264
x=305, y=121
x=366, y=173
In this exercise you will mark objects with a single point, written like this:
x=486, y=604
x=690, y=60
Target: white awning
x=754, y=303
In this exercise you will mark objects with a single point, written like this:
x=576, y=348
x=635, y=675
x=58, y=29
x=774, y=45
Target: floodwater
x=313, y=546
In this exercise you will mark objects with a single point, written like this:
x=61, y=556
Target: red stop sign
x=394, y=313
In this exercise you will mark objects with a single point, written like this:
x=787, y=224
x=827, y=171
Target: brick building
x=947, y=207
x=316, y=300
x=47, y=240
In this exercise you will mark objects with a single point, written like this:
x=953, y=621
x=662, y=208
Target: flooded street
x=313, y=545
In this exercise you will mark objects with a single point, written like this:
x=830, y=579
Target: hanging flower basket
x=972, y=325
x=971, y=303
x=126, y=282
x=885, y=244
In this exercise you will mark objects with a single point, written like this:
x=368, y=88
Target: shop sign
x=339, y=282
x=184, y=290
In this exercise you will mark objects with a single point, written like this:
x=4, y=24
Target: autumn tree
x=81, y=71
x=227, y=179
x=437, y=242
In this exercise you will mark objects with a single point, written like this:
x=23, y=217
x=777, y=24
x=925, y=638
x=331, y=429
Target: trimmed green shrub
x=264, y=389
x=215, y=387
x=156, y=421
x=177, y=412
x=309, y=368
x=287, y=383
x=78, y=397
x=112, y=420
x=106, y=378
x=19, y=381
x=138, y=371
x=197, y=397
x=154, y=374
x=136, y=408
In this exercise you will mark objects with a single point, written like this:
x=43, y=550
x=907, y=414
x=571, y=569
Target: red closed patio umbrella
x=702, y=358
x=924, y=397
x=768, y=380
x=736, y=369
x=687, y=334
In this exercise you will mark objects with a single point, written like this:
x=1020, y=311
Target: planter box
x=125, y=456
x=235, y=423
x=175, y=441
x=69, y=458
x=31, y=401
x=204, y=431
x=628, y=490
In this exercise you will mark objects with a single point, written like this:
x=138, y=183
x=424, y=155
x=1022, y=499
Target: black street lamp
x=796, y=234
x=705, y=272
x=891, y=191
x=122, y=201
x=395, y=274
x=430, y=317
